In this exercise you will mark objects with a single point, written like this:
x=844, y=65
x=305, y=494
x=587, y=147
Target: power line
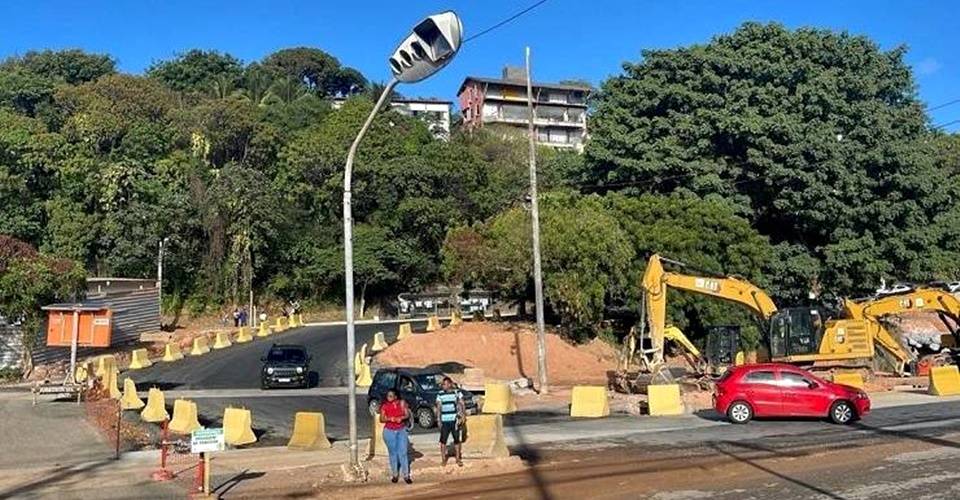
x=935, y=127
x=948, y=103
x=505, y=21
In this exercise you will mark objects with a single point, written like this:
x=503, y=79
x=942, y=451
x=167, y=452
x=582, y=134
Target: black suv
x=418, y=387
x=285, y=366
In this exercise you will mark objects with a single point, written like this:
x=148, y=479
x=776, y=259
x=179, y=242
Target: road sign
x=206, y=440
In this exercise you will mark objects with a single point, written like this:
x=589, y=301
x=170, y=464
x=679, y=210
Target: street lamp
x=431, y=46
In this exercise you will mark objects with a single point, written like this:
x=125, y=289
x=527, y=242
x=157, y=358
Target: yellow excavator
x=923, y=299
x=794, y=335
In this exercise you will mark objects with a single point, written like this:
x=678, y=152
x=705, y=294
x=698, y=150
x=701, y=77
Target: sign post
x=204, y=441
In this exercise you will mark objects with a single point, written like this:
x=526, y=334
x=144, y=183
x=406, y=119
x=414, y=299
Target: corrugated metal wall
x=136, y=310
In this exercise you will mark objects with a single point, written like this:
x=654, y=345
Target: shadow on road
x=908, y=434
x=224, y=487
x=55, y=475
x=718, y=447
x=533, y=458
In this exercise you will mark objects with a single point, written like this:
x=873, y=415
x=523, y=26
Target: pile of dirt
x=504, y=352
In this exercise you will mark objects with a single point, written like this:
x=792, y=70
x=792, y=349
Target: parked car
x=285, y=365
x=418, y=387
x=782, y=390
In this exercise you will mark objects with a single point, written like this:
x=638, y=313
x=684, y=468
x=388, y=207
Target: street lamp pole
x=348, y=269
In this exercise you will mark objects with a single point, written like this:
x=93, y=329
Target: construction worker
x=450, y=413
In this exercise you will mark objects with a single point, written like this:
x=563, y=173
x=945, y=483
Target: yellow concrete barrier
x=263, y=330
x=105, y=363
x=739, y=359
x=156, y=409
x=201, y=346
x=364, y=378
x=456, y=318
x=109, y=382
x=589, y=401
x=294, y=321
x=130, y=400
x=243, y=335
x=85, y=370
x=379, y=342
x=222, y=340
x=664, y=400
x=944, y=381
x=853, y=379
x=171, y=353
x=300, y=320
x=184, y=419
x=377, y=446
x=139, y=359
x=484, y=436
x=281, y=325
x=238, y=427
x=498, y=398
x=433, y=323
x=309, y=432
x=405, y=332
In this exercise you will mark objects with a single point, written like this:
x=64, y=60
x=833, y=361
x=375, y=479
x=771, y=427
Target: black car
x=418, y=387
x=285, y=366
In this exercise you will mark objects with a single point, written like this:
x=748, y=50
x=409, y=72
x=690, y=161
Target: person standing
x=450, y=413
x=394, y=413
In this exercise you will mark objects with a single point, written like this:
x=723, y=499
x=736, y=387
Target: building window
x=514, y=112
x=490, y=110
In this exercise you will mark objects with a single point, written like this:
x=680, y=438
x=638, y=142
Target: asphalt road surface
x=238, y=367
x=894, y=453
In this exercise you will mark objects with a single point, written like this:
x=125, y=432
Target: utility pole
x=535, y=215
x=163, y=242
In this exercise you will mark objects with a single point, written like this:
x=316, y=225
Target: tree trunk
x=363, y=298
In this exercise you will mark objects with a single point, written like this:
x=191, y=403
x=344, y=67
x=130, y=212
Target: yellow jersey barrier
x=309, y=432
x=944, y=381
x=156, y=409
x=238, y=427
x=589, y=401
x=498, y=398
x=201, y=346
x=222, y=340
x=130, y=400
x=484, y=436
x=404, y=332
x=184, y=419
x=171, y=352
x=664, y=400
x=379, y=342
x=243, y=335
x=433, y=323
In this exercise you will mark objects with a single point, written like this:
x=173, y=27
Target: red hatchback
x=781, y=390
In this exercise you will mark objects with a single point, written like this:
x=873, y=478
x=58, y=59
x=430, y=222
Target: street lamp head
x=431, y=46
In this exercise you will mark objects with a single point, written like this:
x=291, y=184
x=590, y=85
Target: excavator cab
x=795, y=331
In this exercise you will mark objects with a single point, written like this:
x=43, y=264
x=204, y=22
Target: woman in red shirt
x=394, y=413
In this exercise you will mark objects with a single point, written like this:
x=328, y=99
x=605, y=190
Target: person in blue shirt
x=450, y=413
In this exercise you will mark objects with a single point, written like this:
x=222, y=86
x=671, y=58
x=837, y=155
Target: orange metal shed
x=93, y=325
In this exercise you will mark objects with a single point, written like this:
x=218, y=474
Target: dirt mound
x=505, y=352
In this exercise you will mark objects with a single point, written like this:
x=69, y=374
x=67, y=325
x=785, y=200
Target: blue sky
x=569, y=38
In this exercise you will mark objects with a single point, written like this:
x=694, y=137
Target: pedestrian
x=394, y=413
x=236, y=317
x=243, y=317
x=450, y=413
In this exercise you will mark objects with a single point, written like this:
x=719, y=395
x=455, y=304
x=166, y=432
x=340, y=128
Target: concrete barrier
x=222, y=340
x=484, y=436
x=263, y=330
x=280, y=324
x=85, y=370
x=498, y=398
x=105, y=363
x=309, y=432
x=944, y=381
x=664, y=400
x=184, y=419
x=589, y=401
x=433, y=323
x=156, y=409
x=171, y=353
x=377, y=447
x=379, y=342
x=456, y=318
x=139, y=359
x=109, y=381
x=238, y=427
x=243, y=335
x=364, y=378
x=853, y=379
x=201, y=346
x=130, y=400
x=405, y=331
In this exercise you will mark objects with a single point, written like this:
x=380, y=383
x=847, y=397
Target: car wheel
x=374, y=407
x=842, y=412
x=264, y=386
x=425, y=418
x=739, y=412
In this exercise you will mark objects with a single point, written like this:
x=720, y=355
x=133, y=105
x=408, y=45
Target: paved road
x=239, y=365
x=895, y=453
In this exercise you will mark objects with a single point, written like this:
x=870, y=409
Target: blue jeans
x=397, y=444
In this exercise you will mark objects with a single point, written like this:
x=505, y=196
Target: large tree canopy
x=815, y=136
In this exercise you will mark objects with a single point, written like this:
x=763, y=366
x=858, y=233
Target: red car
x=781, y=390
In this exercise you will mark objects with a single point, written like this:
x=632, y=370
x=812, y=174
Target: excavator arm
x=656, y=282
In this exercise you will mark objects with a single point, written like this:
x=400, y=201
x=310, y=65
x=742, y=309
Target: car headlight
x=299, y=369
x=269, y=371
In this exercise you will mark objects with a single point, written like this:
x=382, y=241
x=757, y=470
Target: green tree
x=72, y=66
x=815, y=136
x=315, y=68
x=197, y=71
